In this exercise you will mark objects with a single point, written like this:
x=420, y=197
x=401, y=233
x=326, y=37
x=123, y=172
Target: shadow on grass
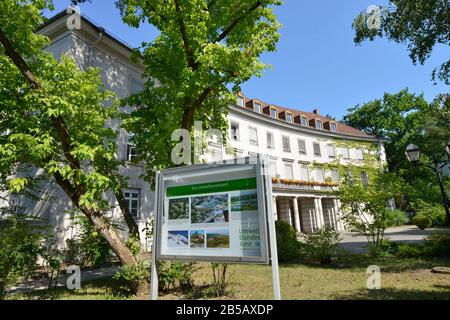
x=441, y=293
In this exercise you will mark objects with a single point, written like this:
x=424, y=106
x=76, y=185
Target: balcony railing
x=291, y=184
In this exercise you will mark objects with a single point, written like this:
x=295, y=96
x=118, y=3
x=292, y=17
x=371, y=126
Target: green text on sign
x=212, y=187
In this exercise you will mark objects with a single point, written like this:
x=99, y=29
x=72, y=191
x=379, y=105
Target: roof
x=341, y=128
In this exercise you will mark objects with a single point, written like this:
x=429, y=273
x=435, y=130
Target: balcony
x=299, y=185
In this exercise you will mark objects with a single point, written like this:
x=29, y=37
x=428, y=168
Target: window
x=253, y=136
x=345, y=153
x=304, y=172
x=131, y=149
x=320, y=176
x=270, y=141
x=240, y=101
x=273, y=168
x=331, y=151
x=234, y=131
x=319, y=124
x=289, y=117
x=274, y=113
x=302, y=147
x=132, y=198
x=288, y=171
x=349, y=175
x=364, y=178
x=257, y=107
x=135, y=87
x=286, y=144
x=317, y=151
x=359, y=154
x=334, y=175
x=304, y=121
x=333, y=127
x=215, y=153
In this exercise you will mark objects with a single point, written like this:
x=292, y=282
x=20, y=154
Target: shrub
x=409, y=250
x=437, y=245
x=87, y=247
x=135, y=275
x=421, y=221
x=19, y=250
x=436, y=213
x=322, y=245
x=221, y=278
x=397, y=218
x=287, y=244
x=176, y=275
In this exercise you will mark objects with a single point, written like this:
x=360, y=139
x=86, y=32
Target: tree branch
x=187, y=48
x=235, y=22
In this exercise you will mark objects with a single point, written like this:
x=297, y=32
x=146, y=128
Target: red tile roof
x=341, y=128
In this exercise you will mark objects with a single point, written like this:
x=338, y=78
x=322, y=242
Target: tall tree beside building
x=204, y=52
x=53, y=118
x=420, y=24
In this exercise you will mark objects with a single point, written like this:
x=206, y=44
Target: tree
x=204, y=52
x=54, y=118
x=421, y=24
x=365, y=208
x=405, y=118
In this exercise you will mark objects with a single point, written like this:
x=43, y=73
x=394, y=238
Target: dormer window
x=289, y=117
x=274, y=113
x=319, y=124
x=257, y=107
x=240, y=101
x=333, y=127
x=304, y=121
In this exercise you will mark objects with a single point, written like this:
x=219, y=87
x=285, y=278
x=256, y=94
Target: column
x=274, y=206
x=319, y=213
x=337, y=204
x=296, y=215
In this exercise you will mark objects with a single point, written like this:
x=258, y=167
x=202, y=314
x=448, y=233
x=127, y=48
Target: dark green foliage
x=20, y=247
x=421, y=221
x=322, y=245
x=176, y=275
x=288, y=245
x=135, y=275
x=435, y=213
x=438, y=245
x=397, y=218
x=87, y=247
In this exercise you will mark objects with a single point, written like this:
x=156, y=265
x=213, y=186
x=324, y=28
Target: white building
x=303, y=146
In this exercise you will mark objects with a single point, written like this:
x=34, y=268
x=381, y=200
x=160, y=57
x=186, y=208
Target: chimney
x=316, y=111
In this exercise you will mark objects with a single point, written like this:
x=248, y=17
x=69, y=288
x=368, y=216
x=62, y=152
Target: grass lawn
x=400, y=279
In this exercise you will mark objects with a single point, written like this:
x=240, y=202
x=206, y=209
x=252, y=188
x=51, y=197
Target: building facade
x=309, y=154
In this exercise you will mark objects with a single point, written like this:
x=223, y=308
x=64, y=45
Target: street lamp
x=413, y=155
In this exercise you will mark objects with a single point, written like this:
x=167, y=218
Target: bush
x=176, y=275
x=409, y=250
x=397, y=218
x=19, y=250
x=87, y=247
x=421, y=221
x=135, y=275
x=221, y=278
x=436, y=213
x=437, y=245
x=287, y=244
x=322, y=245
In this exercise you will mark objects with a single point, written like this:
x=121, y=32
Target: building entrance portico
x=308, y=213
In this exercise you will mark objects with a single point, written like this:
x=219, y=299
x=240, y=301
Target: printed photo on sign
x=210, y=209
x=218, y=238
x=197, y=238
x=245, y=201
x=179, y=209
x=178, y=239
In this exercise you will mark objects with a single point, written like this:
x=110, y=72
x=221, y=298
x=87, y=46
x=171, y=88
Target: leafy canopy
x=421, y=24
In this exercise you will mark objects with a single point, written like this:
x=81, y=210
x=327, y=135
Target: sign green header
x=212, y=187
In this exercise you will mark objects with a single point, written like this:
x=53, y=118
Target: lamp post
x=413, y=154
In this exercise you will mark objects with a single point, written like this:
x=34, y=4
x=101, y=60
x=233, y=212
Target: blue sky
x=317, y=65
